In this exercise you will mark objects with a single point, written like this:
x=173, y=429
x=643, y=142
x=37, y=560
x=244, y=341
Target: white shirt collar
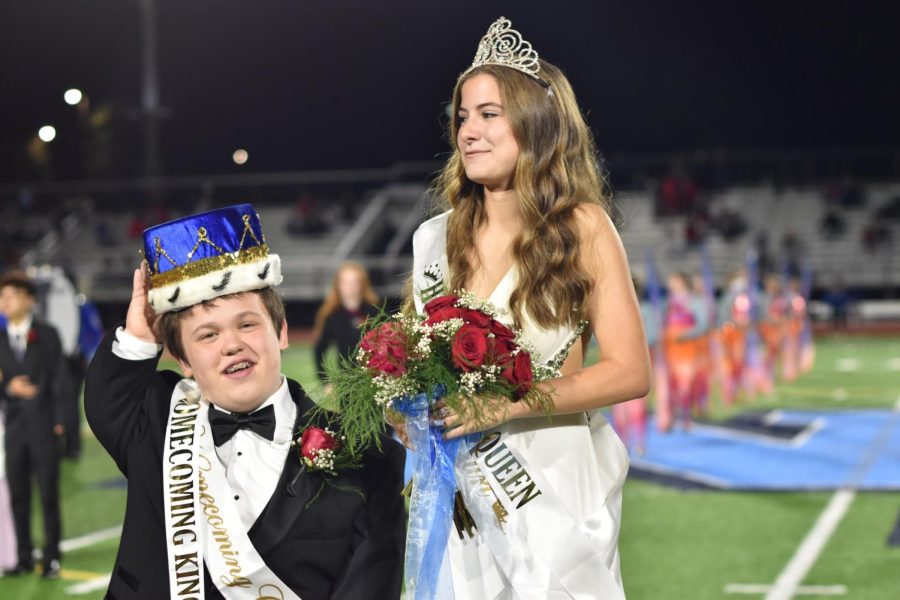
x=20, y=329
x=285, y=412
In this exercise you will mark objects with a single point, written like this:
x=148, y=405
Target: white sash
x=194, y=484
x=539, y=534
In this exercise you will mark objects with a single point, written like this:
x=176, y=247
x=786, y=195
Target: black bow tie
x=225, y=425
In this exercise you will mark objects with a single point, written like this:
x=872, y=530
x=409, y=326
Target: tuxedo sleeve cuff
x=131, y=348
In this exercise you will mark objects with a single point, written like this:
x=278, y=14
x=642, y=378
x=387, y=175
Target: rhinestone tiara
x=502, y=45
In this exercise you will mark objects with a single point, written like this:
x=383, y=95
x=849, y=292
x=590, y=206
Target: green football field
x=675, y=544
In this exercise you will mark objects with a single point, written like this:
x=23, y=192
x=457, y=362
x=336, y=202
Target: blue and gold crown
x=205, y=256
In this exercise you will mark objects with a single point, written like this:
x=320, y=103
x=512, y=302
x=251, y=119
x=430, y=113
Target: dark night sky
x=325, y=84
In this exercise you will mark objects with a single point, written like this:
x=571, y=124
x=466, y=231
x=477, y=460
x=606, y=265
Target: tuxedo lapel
x=32, y=356
x=7, y=356
x=292, y=492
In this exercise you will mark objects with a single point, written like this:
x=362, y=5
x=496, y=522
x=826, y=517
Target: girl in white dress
x=540, y=498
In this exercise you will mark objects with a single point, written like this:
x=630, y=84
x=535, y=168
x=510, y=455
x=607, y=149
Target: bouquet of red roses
x=459, y=347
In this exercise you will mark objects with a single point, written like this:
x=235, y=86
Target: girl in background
x=349, y=303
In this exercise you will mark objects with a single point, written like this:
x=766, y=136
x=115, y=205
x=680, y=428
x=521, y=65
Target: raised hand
x=141, y=320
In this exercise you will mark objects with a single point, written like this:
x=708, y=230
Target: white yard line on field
x=787, y=584
x=83, y=541
x=86, y=587
x=90, y=539
x=756, y=589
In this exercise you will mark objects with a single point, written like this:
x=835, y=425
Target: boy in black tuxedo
x=31, y=363
x=267, y=527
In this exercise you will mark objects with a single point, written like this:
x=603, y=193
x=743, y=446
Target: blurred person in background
x=350, y=302
x=839, y=299
x=800, y=352
x=734, y=319
x=773, y=325
x=683, y=326
x=31, y=360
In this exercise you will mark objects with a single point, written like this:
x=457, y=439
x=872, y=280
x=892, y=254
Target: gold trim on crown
x=502, y=45
x=209, y=265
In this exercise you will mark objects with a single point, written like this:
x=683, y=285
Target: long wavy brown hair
x=333, y=298
x=557, y=170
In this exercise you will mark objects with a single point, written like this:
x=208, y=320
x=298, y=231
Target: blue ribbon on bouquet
x=432, y=500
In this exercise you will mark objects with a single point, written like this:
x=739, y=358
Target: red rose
x=386, y=346
x=32, y=336
x=476, y=318
x=500, y=351
x=519, y=374
x=447, y=301
x=501, y=331
x=444, y=313
x=315, y=439
x=469, y=347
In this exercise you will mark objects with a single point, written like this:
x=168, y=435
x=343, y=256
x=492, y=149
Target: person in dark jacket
x=31, y=362
x=217, y=499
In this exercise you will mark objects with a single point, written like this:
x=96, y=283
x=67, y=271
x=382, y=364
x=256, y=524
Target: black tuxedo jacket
x=32, y=421
x=340, y=547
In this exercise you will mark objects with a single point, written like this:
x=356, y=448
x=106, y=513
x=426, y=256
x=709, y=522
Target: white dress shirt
x=252, y=463
x=18, y=335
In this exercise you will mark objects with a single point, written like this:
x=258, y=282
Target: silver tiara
x=503, y=45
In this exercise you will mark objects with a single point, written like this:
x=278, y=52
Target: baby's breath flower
x=470, y=383
x=471, y=301
x=388, y=388
x=324, y=459
x=446, y=329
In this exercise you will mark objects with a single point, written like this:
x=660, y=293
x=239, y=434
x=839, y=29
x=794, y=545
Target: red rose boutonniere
x=321, y=450
x=32, y=336
x=317, y=448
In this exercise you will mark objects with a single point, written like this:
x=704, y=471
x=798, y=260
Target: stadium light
x=47, y=133
x=72, y=96
x=240, y=156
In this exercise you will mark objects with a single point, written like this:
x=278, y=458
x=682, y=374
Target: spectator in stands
x=307, y=218
x=730, y=224
x=792, y=248
x=677, y=193
x=31, y=360
x=876, y=235
x=833, y=224
x=698, y=223
x=349, y=303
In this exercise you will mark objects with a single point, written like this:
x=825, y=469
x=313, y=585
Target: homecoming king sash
x=202, y=520
x=539, y=544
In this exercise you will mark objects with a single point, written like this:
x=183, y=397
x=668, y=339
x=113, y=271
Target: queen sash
x=539, y=545
x=203, y=526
